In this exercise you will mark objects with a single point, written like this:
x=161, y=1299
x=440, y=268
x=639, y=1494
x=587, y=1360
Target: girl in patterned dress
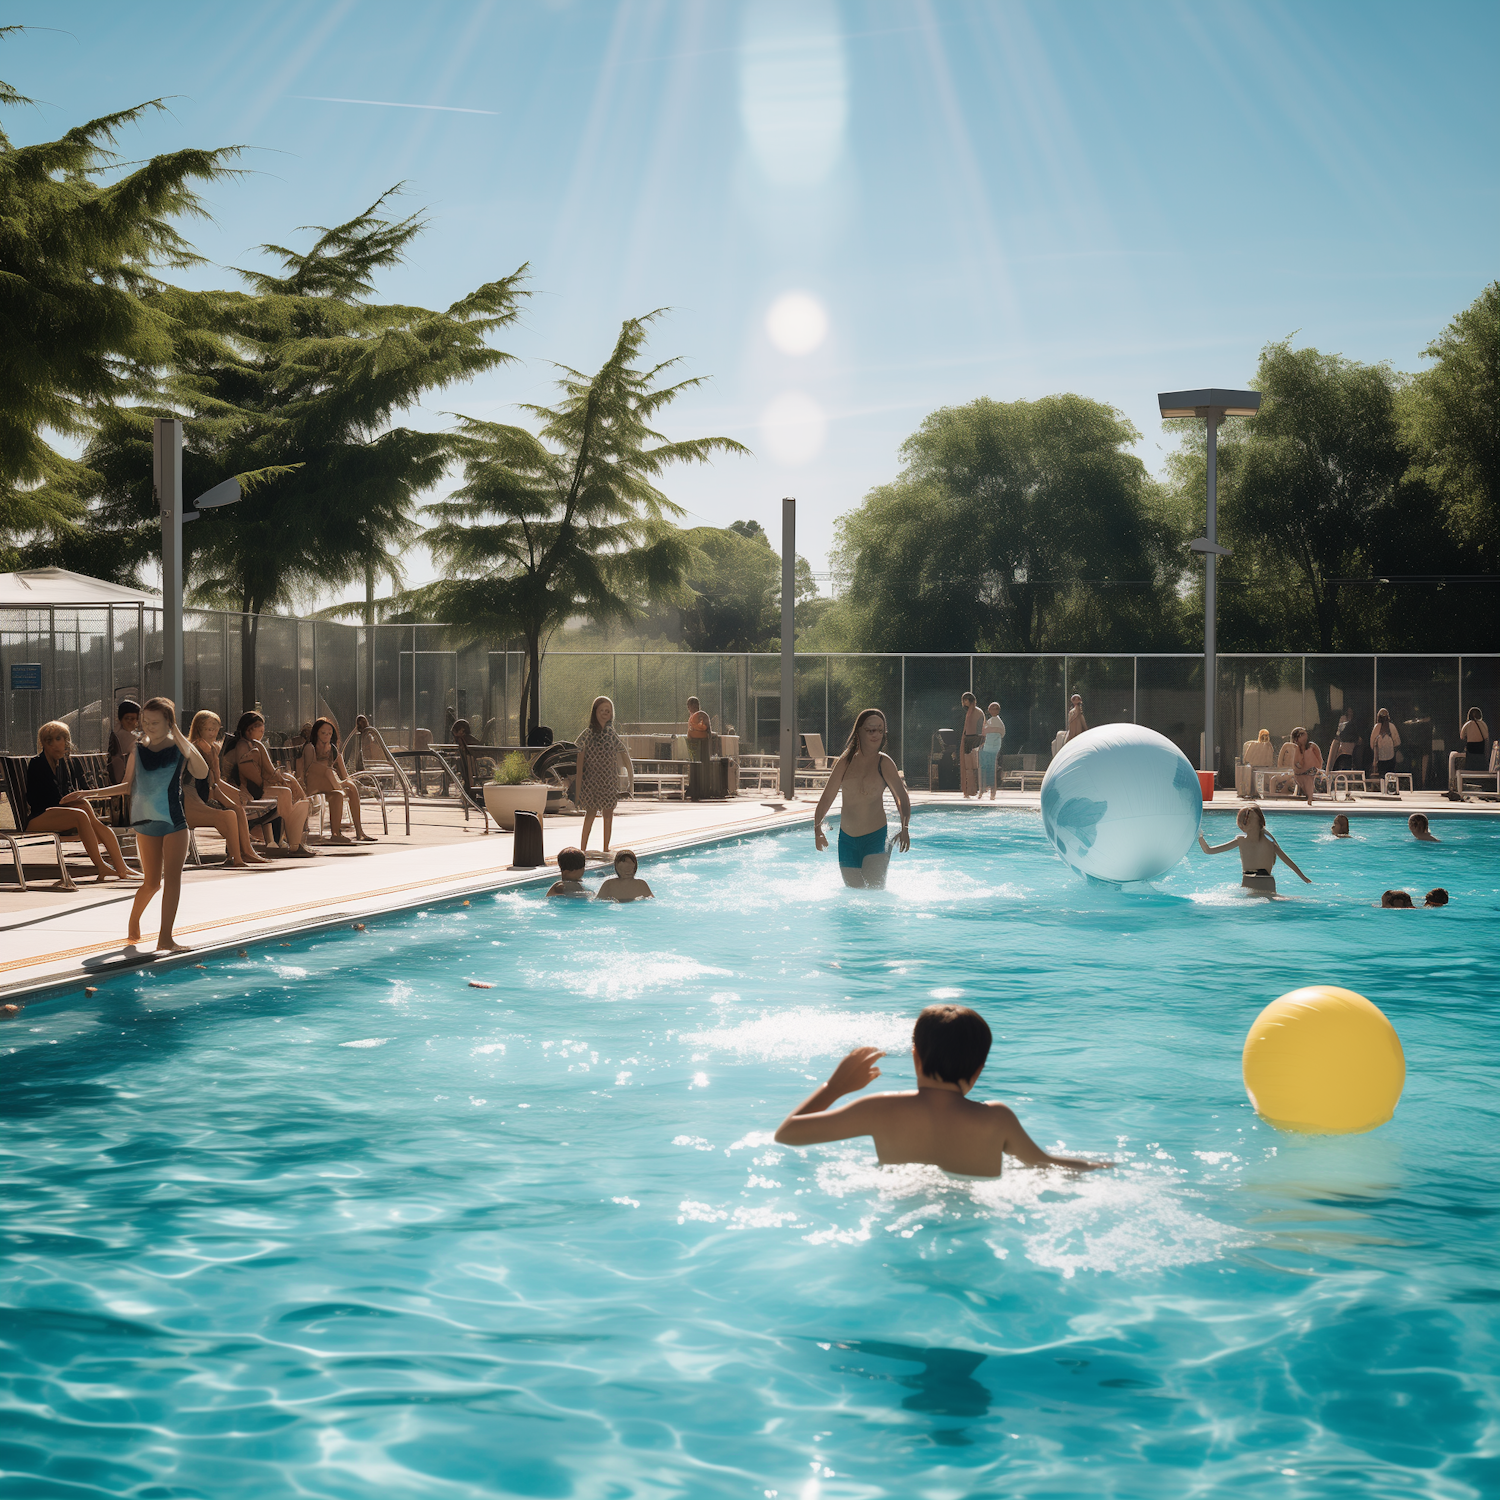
x=600, y=756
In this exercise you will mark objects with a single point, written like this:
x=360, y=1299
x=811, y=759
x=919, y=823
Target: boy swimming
x=570, y=863
x=936, y=1123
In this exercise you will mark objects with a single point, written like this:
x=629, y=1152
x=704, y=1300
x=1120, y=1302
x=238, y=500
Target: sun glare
x=793, y=427
x=797, y=323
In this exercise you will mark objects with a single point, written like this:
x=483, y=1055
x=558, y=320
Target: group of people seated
x=259, y=810
x=1300, y=760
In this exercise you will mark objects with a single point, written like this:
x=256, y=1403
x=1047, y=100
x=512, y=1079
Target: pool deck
x=52, y=939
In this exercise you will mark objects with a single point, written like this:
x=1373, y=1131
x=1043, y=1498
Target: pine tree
x=567, y=521
x=298, y=380
x=85, y=326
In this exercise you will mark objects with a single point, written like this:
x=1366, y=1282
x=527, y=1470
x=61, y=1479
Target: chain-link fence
x=74, y=664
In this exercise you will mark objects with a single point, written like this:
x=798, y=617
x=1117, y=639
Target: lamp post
x=788, y=760
x=1213, y=405
x=166, y=479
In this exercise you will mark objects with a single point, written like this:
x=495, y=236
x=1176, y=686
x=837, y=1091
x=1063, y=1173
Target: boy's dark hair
x=126, y=706
x=952, y=1041
x=1417, y=820
x=1398, y=899
x=1436, y=897
x=570, y=859
x=626, y=854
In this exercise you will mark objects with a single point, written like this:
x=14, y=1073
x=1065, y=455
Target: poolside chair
x=814, y=767
x=378, y=769
x=15, y=796
x=1278, y=781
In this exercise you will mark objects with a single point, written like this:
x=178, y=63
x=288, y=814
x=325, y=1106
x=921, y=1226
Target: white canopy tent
x=36, y=588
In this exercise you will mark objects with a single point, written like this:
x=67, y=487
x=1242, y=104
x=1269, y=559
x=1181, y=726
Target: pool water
x=326, y=1221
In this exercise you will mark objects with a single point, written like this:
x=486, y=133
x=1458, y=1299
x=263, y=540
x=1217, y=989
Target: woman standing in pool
x=1258, y=852
x=154, y=777
x=863, y=773
x=600, y=756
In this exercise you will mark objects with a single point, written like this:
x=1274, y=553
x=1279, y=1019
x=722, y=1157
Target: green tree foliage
x=299, y=380
x=735, y=580
x=85, y=324
x=1014, y=526
x=1450, y=420
x=567, y=521
x=1317, y=481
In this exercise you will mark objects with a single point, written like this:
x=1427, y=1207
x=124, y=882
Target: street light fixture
x=1213, y=405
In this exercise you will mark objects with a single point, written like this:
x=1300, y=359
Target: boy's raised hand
x=855, y=1071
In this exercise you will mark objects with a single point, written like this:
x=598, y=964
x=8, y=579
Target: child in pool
x=1258, y=852
x=1341, y=826
x=570, y=863
x=1417, y=823
x=935, y=1123
x=623, y=885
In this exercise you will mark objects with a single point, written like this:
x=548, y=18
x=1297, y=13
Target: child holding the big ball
x=1258, y=852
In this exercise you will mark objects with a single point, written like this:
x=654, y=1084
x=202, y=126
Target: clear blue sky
x=971, y=199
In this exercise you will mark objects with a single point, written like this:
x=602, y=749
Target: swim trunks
x=852, y=851
x=1259, y=881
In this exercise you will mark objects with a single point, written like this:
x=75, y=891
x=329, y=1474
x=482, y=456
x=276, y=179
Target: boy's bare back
x=934, y=1123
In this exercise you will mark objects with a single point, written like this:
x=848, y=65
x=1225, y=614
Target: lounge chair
x=814, y=767
x=20, y=812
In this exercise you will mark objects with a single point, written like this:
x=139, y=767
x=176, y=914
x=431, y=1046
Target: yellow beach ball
x=1323, y=1061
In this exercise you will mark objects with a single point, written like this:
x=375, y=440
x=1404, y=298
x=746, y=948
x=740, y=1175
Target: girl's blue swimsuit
x=852, y=851
x=156, y=794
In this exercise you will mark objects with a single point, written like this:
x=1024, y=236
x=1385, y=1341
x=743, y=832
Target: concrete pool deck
x=53, y=939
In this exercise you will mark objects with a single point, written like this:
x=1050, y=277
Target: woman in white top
x=989, y=752
x=1385, y=741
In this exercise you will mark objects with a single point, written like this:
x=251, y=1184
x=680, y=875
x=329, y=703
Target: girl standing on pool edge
x=863, y=772
x=154, y=778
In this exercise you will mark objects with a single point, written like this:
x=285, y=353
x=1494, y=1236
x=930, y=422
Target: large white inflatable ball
x=1121, y=803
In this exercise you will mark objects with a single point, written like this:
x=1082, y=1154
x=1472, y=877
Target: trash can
x=708, y=780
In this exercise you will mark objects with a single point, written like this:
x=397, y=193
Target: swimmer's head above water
x=869, y=734
x=1248, y=815
x=1341, y=826
x=950, y=1044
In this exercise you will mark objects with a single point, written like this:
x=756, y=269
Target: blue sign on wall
x=24, y=675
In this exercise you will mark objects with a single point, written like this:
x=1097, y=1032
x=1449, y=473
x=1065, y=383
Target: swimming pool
x=326, y=1221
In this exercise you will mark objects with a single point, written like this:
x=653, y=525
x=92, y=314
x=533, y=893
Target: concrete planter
x=501, y=802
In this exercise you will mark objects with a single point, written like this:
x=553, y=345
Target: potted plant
x=514, y=788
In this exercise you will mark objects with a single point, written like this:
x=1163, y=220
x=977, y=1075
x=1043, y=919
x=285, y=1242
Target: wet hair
x=1436, y=897
x=1398, y=899
x=1341, y=819
x=570, y=859
x=1417, y=822
x=53, y=729
x=248, y=720
x=163, y=706
x=849, y=750
x=316, y=728
x=201, y=720
x=127, y=706
x=594, y=712
x=626, y=854
x=1475, y=714
x=952, y=1042
x=1246, y=810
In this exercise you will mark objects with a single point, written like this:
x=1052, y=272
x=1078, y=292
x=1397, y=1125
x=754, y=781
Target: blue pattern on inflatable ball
x=1121, y=803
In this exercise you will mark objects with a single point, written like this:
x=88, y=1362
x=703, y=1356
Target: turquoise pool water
x=325, y=1221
